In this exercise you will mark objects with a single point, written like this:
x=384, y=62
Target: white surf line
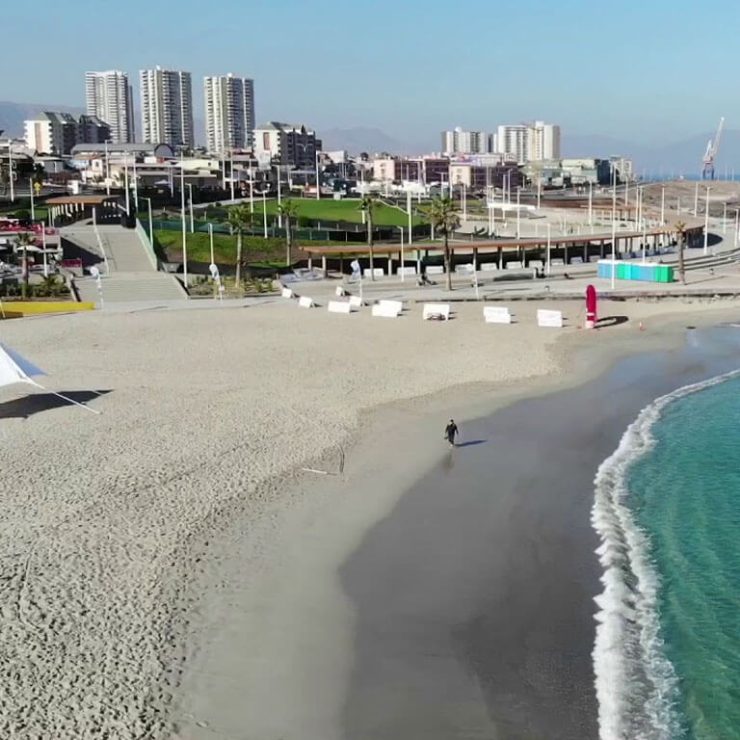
x=628, y=645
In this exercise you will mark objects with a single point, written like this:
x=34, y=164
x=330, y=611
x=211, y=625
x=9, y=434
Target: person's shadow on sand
x=471, y=443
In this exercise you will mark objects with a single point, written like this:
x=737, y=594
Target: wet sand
x=474, y=597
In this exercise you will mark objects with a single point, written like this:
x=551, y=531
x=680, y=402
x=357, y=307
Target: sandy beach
x=133, y=540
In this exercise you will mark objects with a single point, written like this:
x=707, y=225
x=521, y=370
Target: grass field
x=256, y=249
x=341, y=210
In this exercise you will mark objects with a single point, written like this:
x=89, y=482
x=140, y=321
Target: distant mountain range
x=680, y=157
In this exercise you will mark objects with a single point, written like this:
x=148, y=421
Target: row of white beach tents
x=387, y=308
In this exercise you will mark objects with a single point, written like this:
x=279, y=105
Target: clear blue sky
x=650, y=70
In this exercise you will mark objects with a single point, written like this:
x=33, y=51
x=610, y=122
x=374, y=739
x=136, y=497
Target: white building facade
x=286, y=144
x=229, y=103
x=459, y=141
x=529, y=142
x=167, y=107
x=51, y=133
x=108, y=97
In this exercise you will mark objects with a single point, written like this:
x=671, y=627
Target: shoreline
x=367, y=508
x=119, y=535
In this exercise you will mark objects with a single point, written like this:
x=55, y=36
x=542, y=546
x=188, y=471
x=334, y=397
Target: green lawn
x=342, y=210
x=256, y=249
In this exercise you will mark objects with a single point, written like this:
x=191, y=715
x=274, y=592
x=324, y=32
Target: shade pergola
x=575, y=242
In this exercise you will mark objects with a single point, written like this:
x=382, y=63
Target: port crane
x=707, y=171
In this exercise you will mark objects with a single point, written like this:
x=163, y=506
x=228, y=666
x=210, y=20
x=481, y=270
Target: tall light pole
x=737, y=225
x=614, y=230
x=724, y=219
x=548, y=250
x=184, y=225
x=411, y=218
x=590, y=203
x=318, y=178
x=706, y=224
x=190, y=204
x=136, y=187
x=279, y=195
x=662, y=205
x=151, y=222
x=231, y=172
x=403, y=258
x=251, y=189
x=30, y=190
x=125, y=185
x=518, y=212
x=11, y=179
x=107, y=168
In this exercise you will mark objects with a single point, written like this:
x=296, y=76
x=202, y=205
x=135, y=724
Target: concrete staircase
x=131, y=287
x=128, y=269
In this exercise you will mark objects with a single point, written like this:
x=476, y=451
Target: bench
x=375, y=272
x=548, y=318
x=339, y=307
x=385, y=310
x=436, y=311
x=513, y=265
x=435, y=270
x=406, y=271
x=489, y=267
x=287, y=293
x=305, y=302
x=355, y=301
x=464, y=269
x=496, y=315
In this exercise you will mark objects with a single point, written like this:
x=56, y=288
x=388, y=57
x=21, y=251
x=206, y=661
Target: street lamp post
x=318, y=178
x=151, y=223
x=125, y=185
x=107, y=168
x=518, y=213
x=590, y=203
x=662, y=205
x=136, y=187
x=190, y=203
x=706, y=224
x=30, y=190
x=737, y=226
x=184, y=225
x=403, y=258
x=10, y=171
x=614, y=230
x=548, y=250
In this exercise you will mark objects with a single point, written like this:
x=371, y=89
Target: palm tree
x=289, y=211
x=680, y=228
x=368, y=205
x=240, y=218
x=443, y=216
x=24, y=241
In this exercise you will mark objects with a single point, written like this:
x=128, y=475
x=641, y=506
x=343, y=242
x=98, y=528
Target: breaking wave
x=636, y=685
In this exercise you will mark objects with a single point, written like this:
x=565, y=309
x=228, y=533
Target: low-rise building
x=286, y=144
x=51, y=133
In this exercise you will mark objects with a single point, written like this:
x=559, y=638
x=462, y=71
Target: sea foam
x=636, y=684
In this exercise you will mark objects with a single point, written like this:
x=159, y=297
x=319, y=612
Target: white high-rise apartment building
x=529, y=142
x=229, y=105
x=544, y=141
x=167, y=107
x=108, y=97
x=459, y=141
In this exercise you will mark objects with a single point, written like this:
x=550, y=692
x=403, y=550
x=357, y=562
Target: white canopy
x=14, y=368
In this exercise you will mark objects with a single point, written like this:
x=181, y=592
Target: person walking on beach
x=451, y=431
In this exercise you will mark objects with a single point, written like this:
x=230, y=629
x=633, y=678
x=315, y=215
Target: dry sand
x=208, y=412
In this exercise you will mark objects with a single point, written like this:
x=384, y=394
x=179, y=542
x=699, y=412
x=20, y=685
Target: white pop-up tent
x=15, y=368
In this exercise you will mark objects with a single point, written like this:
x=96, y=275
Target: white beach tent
x=15, y=368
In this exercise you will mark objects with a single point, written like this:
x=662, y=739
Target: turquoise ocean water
x=667, y=509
